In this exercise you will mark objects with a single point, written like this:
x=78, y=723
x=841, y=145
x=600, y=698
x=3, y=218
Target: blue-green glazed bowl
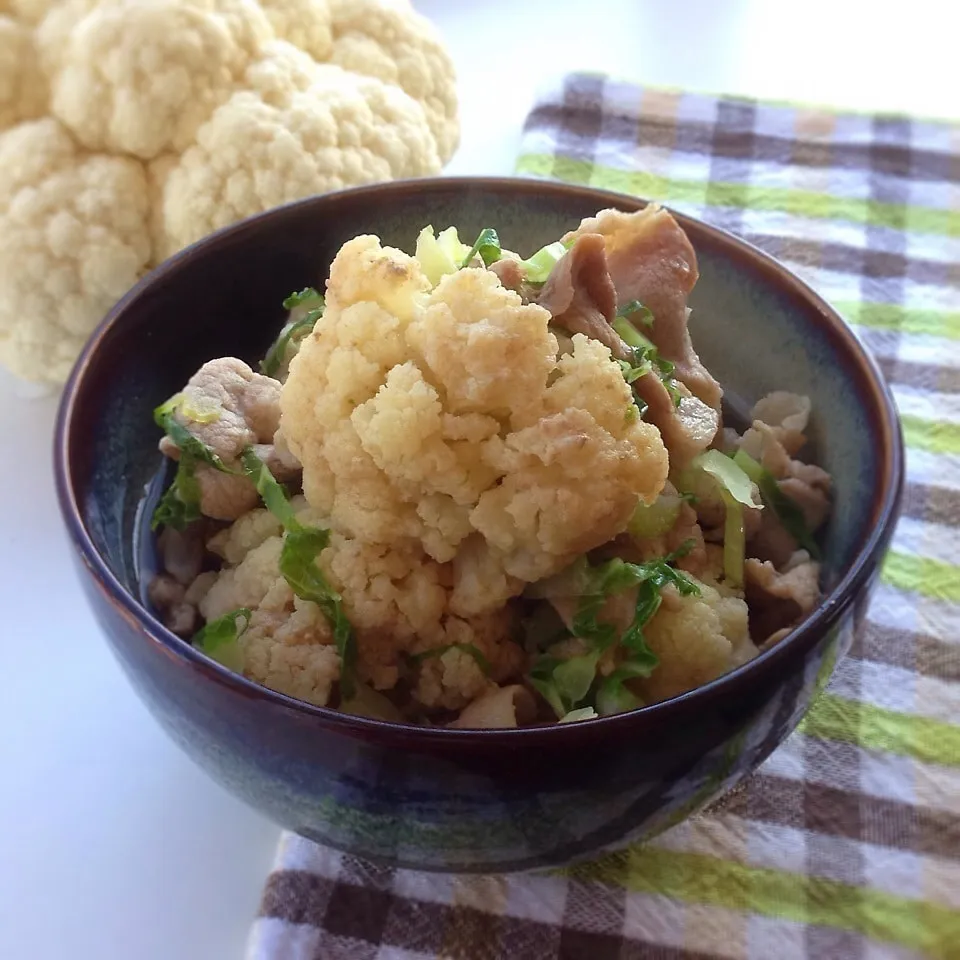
x=455, y=800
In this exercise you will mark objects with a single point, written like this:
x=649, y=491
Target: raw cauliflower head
x=73, y=238
x=188, y=115
x=442, y=418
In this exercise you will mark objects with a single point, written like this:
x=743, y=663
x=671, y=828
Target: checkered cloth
x=846, y=843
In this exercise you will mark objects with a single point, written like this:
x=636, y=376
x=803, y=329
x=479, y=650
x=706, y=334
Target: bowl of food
x=476, y=524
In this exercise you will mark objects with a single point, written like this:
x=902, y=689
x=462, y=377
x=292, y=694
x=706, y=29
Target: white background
x=112, y=845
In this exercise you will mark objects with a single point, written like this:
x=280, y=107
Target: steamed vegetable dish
x=474, y=490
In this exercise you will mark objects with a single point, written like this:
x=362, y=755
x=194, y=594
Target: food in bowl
x=469, y=489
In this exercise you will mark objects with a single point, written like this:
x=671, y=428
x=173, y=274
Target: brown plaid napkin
x=846, y=844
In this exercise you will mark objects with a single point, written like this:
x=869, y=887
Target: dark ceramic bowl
x=453, y=800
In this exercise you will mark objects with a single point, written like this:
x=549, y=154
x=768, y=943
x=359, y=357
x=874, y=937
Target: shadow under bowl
x=457, y=800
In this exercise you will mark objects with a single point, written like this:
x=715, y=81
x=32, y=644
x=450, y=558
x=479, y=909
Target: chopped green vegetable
x=736, y=490
x=729, y=474
x=184, y=440
x=613, y=696
x=487, y=245
x=274, y=496
x=308, y=297
x=298, y=557
x=482, y=662
x=440, y=255
x=218, y=639
x=538, y=267
x=301, y=547
x=655, y=519
x=564, y=684
x=584, y=713
x=637, y=313
x=292, y=333
x=180, y=503
x=645, y=358
x=787, y=511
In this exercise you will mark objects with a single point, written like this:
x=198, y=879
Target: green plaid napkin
x=846, y=844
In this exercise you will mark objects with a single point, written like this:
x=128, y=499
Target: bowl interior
x=754, y=328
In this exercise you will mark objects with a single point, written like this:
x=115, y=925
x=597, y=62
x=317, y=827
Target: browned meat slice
x=687, y=429
x=651, y=260
x=780, y=599
x=580, y=294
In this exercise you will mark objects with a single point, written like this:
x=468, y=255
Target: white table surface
x=113, y=846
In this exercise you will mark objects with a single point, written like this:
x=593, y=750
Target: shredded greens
x=736, y=491
x=218, y=639
x=297, y=327
x=487, y=246
x=635, y=312
x=440, y=255
x=786, y=510
x=566, y=683
x=180, y=503
x=538, y=267
x=645, y=359
x=301, y=547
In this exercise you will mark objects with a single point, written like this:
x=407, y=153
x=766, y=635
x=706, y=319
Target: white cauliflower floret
x=246, y=584
x=140, y=78
x=252, y=154
x=303, y=23
x=73, y=238
x=398, y=601
x=436, y=415
x=23, y=87
x=696, y=638
x=242, y=536
x=451, y=680
x=395, y=44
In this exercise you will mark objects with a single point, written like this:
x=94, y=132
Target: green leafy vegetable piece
x=185, y=441
x=565, y=683
x=218, y=639
x=308, y=297
x=538, y=267
x=440, y=255
x=271, y=492
x=487, y=245
x=787, y=511
x=729, y=474
x=180, y=503
x=655, y=519
x=584, y=713
x=646, y=358
x=736, y=490
x=298, y=557
x=293, y=332
x=637, y=313
x=482, y=662
x=298, y=565
x=613, y=696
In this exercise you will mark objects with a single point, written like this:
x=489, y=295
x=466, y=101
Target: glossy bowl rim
x=885, y=501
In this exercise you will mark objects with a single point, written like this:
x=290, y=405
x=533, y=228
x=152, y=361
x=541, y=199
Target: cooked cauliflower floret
x=246, y=584
x=247, y=533
x=696, y=639
x=434, y=416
